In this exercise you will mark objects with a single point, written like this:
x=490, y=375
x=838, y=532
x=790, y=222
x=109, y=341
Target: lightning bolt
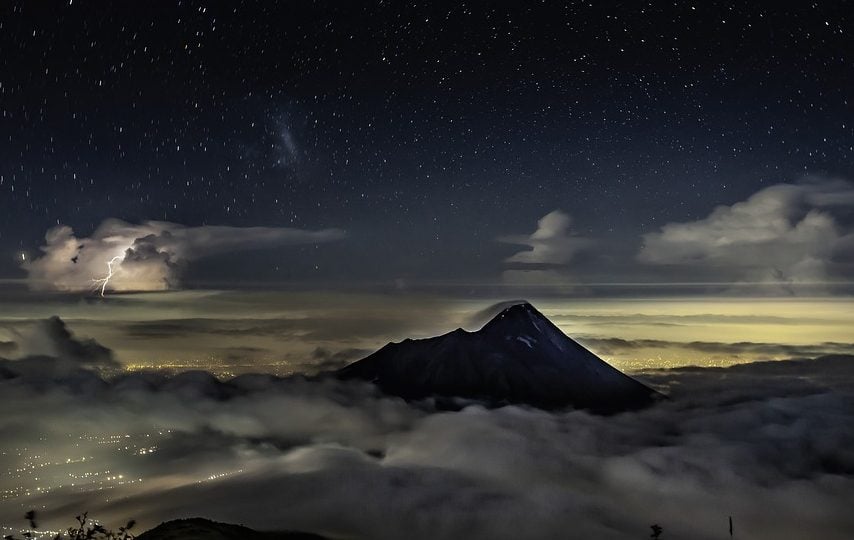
x=101, y=283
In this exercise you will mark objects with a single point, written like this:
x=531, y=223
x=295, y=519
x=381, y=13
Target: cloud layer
x=148, y=256
x=769, y=444
x=789, y=233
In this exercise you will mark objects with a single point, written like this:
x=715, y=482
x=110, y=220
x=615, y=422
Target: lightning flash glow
x=101, y=283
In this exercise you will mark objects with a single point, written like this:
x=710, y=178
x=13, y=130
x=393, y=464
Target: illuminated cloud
x=795, y=233
x=551, y=247
x=553, y=243
x=148, y=256
x=51, y=338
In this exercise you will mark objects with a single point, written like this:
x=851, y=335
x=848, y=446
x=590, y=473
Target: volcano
x=518, y=357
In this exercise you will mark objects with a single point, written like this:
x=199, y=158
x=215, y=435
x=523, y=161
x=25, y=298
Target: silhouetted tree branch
x=86, y=529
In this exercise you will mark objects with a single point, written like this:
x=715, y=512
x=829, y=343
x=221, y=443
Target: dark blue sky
x=425, y=131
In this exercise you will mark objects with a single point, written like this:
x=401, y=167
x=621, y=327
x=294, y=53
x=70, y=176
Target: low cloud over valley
x=768, y=443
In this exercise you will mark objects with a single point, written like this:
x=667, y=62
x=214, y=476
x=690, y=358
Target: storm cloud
x=769, y=444
x=148, y=256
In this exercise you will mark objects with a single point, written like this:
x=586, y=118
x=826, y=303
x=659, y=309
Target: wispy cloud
x=750, y=350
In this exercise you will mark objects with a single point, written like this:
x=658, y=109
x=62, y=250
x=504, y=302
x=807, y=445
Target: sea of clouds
x=770, y=444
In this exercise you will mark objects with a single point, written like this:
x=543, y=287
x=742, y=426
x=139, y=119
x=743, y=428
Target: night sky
x=210, y=209
x=425, y=131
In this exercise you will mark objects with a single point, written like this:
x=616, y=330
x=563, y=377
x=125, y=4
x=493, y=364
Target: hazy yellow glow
x=284, y=332
x=772, y=321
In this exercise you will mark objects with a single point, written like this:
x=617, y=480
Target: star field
x=425, y=129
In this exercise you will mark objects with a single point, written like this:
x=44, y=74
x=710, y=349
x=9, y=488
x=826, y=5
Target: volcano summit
x=518, y=357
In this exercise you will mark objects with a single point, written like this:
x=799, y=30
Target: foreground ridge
x=205, y=529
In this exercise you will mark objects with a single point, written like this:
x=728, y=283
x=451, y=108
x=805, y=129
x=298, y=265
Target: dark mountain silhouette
x=517, y=357
x=204, y=529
